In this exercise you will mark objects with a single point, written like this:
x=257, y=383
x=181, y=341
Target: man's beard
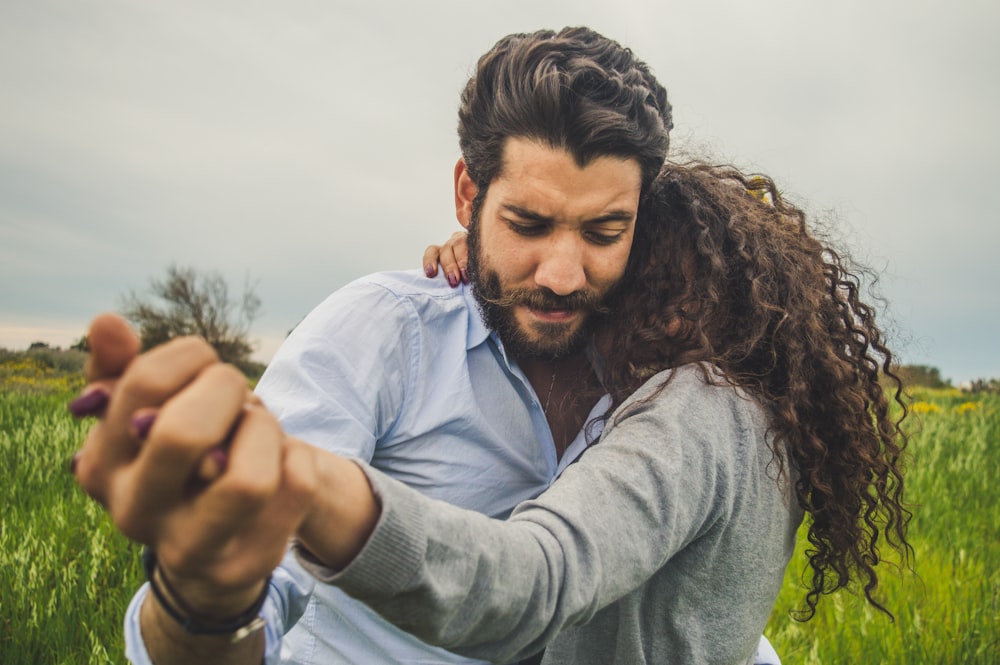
x=551, y=340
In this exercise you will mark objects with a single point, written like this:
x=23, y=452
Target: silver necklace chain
x=548, y=396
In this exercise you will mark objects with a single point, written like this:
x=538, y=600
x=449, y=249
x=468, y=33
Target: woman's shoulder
x=696, y=380
x=690, y=395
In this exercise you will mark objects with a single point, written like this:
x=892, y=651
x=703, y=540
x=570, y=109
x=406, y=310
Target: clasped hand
x=188, y=461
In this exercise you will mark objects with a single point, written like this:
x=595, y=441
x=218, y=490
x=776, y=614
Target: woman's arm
x=503, y=590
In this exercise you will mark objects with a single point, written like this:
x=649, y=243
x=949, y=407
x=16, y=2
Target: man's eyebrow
x=524, y=213
x=613, y=216
x=610, y=216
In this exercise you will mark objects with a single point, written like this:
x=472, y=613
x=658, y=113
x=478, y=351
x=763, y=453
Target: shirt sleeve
x=338, y=382
x=340, y=379
x=502, y=590
x=287, y=597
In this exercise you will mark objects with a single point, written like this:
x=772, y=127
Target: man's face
x=548, y=244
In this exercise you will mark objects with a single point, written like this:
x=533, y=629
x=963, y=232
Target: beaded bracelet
x=240, y=626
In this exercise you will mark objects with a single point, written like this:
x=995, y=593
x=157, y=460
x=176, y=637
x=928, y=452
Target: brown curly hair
x=739, y=282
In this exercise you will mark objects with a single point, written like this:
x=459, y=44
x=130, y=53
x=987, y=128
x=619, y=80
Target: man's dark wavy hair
x=727, y=273
x=574, y=90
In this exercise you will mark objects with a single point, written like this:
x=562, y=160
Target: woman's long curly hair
x=737, y=280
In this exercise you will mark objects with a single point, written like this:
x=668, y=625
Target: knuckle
x=128, y=516
x=175, y=429
x=252, y=491
x=90, y=478
x=226, y=375
x=142, y=382
x=127, y=522
x=259, y=417
x=156, y=373
x=173, y=436
x=94, y=464
x=189, y=345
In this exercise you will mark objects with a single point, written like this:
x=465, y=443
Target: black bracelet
x=239, y=627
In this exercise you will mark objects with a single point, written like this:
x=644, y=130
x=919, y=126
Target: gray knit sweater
x=666, y=543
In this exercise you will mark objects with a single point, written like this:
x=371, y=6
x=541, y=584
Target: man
x=471, y=396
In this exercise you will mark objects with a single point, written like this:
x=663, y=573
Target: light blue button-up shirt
x=399, y=371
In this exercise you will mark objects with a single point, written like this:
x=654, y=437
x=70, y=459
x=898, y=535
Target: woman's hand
x=453, y=256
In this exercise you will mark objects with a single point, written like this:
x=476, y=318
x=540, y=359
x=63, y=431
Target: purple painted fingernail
x=452, y=280
x=91, y=403
x=465, y=276
x=430, y=270
x=141, y=424
x=220, y=457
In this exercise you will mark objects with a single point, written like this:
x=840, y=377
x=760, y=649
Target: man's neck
x=565, y=388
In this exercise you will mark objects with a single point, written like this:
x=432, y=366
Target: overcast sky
x=301, y=144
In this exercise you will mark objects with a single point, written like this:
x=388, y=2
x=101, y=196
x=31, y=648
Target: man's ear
x=465, y=193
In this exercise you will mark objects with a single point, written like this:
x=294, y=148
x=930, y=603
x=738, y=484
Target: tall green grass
x=66, y=575
x=949, y=612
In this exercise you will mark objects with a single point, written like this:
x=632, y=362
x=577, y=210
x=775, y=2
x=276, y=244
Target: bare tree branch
x=186, y=302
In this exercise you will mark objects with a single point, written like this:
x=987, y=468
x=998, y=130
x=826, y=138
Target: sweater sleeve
x=501, y=590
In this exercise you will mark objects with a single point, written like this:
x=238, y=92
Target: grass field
x=66, y=576
x=65, y=573
x=949, y=612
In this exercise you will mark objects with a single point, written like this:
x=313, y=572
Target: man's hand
x=189, y=462
x=164, y=414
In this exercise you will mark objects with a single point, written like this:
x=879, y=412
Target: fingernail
x=73, y=462
x=90, y=403
x=429, y=270
x=465, y=276
x=142, y=424
x=452, y=280
x=220, y=457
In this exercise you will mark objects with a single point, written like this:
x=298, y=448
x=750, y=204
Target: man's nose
x=560, y=268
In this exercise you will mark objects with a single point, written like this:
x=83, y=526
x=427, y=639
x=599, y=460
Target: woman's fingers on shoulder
x=432, y=256
x=452, y=257
x=455, y=256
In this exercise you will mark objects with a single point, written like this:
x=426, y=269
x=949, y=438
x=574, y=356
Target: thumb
x=113, y=344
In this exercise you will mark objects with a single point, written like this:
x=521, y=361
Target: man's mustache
x=546, y=300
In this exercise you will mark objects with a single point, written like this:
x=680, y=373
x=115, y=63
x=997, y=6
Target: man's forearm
x=343, y=515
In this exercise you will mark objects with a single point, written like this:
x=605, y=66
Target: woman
x=745, y=374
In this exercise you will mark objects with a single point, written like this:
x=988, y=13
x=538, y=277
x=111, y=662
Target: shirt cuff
x=135, y=647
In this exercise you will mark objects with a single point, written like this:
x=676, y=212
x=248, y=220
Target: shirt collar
x=477, y=332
